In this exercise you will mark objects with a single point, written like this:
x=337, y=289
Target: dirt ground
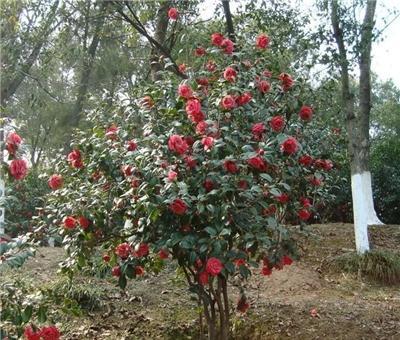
x=306, y=300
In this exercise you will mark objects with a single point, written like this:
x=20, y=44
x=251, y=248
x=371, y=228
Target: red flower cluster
x=214, y=266
x=173, y=13
x=177, y=144
x=257, y=163
x=123, y=250
x=290, y=146
x=75, y=159
x=286, y=81
x=44, y=333
x=306, y=113
x=217, y=39
x=230, y=74
x=18, y=168
x=262, y=41
x=178, y=207
x=55, y=182
x=277, y=123
x=12, y=142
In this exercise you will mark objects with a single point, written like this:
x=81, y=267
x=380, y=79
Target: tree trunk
x=87, y=66
x=358, y=125
x=228, y=18
x=8, y=89
x=160, y=35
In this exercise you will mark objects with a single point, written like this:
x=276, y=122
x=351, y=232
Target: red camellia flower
x=290, y=146
x=328, y=165
x=123, y=250
x=286, y=81
x=178, y=206
x=143, y=250
x=131, y=145
x=306, y=113
x=13, y=138
x=201, y=128
x=116, y=271
x=203, y=81
x=230, y=74
x=182, y=68
x=230, y=166
x=286, y=260
x=211, y=66
x=305, y=202
x=31, y=334
x=173, y=13
x=217, y=39
x=240, y=262
x=84, y=222
x=257, y=163
x=172, y=175
x=106, y=258
x=75, y=159
x=263, y=86
x=127, y=170
x=257, y=130
x=282, y=198
x=193, y=107
x=267, y=73
x=203, y=278
x=304, y=214
x=266, y=271
x=163, y=254
x=178, y=144
x=112, y=132
x=207, y=142
x=244, y=98
x=139, y=270
x=277, y=123
x=50, y=333
x=228, y=102
x=315, y=181
x=208, y=184
x=197, y=117
x=185, y=91
x=262, y=41
x=214, y=266
x=190, y=162
x=306, y=160
x=147, y=102
x=242, y=305
x=227, y=45
x=199, y=51
x=69, y=222
x=55, y=182
x=243, y=184
x=18, y=168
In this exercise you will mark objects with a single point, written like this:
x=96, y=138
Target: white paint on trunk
x=2, y=212
x=360, y=213
x=372, y=218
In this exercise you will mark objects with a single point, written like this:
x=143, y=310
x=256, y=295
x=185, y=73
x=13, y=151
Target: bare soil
x=306, y=300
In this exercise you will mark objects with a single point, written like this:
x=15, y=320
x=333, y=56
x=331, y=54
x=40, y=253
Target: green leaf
x=27, y=313
x=122, y=282
x=211, y=231
x=42, y=314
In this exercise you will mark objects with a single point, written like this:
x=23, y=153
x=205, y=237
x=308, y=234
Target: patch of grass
x=377, y=265
x=88, y=296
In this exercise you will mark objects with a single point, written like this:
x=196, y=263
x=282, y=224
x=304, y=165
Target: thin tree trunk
x=160, y=35
x=228, y=18
x=88, y=61
x=8, y=89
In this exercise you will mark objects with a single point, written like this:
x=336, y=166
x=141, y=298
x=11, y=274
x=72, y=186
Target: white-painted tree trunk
x=2, y=212
x=372, y=218
x=360, y=213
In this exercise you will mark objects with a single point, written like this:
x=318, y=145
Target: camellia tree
x=210, y=177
